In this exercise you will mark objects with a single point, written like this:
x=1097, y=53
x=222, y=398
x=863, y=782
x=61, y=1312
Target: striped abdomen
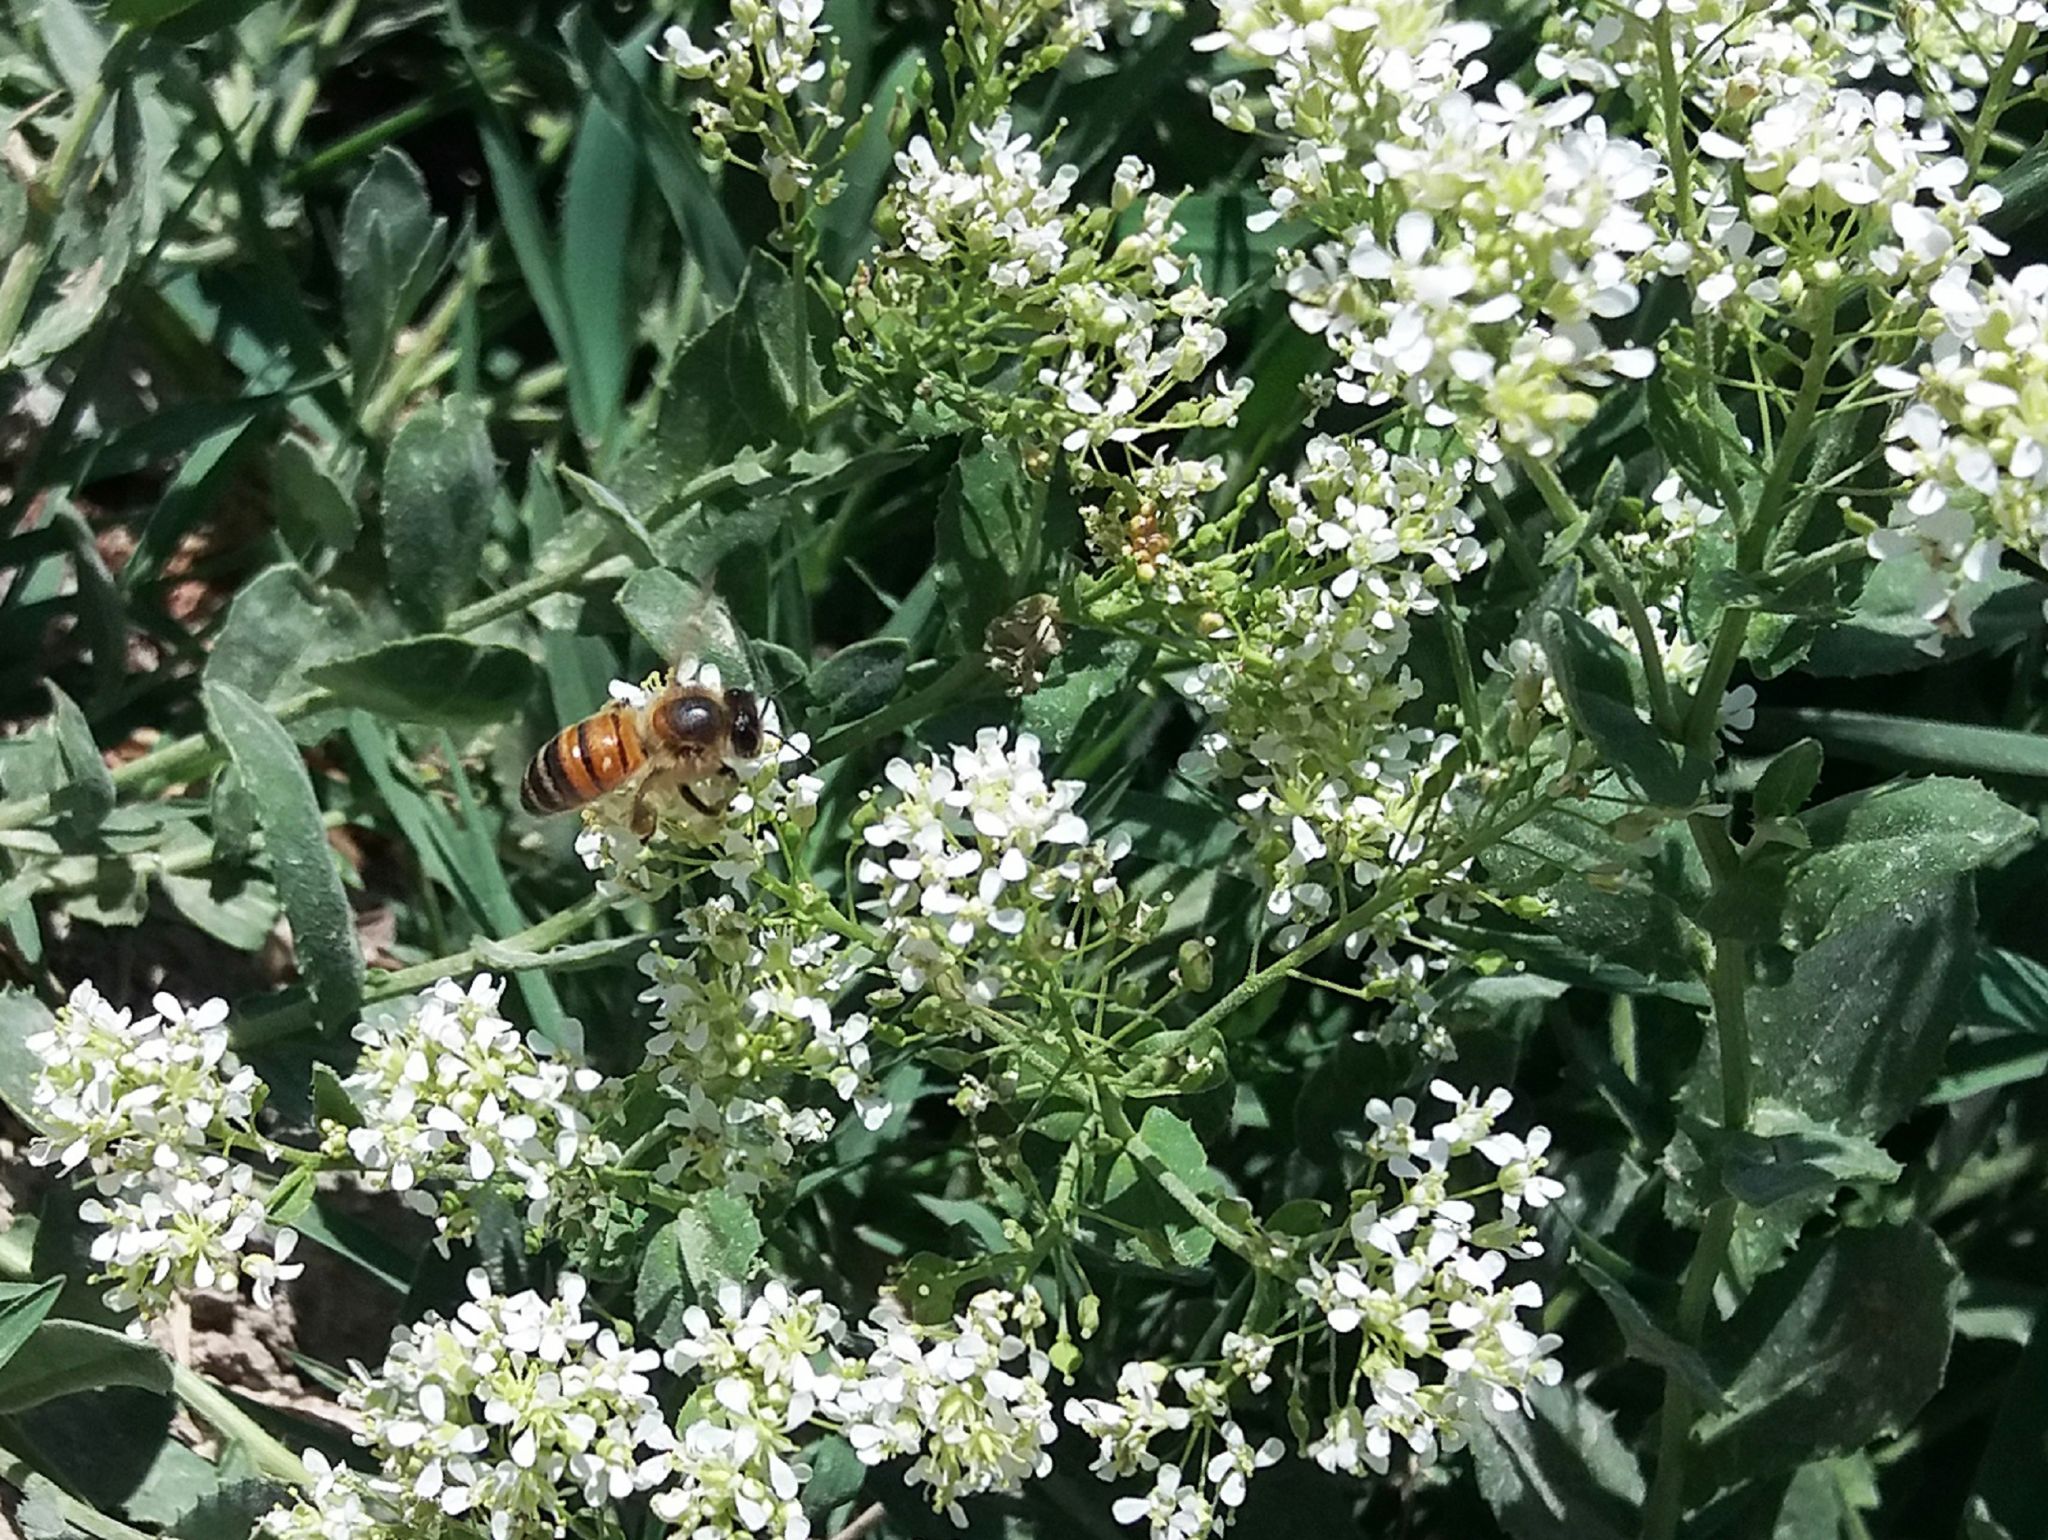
x=584, y=761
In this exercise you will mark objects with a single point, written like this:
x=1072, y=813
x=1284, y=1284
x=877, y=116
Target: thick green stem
x=1996, y=93
x=210, y=1403
x=1618, y=584
x=1672, y=103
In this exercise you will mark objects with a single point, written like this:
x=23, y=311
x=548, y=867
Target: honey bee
x=675, y=743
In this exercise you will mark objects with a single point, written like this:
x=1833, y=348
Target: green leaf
x=681, y=620
x=62, y=1358
x=1842, y=1345
x=1559, y=1473
x=1703, y=442
x=858, y=680
x=718, y=399
x=836, y=1474
x=1864, y=853
x=990, y=538
x=238, y=914
x=295, y=845
x=438, y=481
x=1090, y=677
x=1854, y=1036
x=279, y=625
x=1884, y=631
x=392, y=248
x=2012, y=1478
x=1136, y=1195
x=1593, y=676
x=718, y=1240
x=1786, y=1155
x=87, y=795
x=23, y=1307
x=314, y=511
x=22, y=1016
x=1788, y=780
x=598, y=198
x=1648, y=1339
x=1915, y=743
x=444, y=681
x=230, y=1511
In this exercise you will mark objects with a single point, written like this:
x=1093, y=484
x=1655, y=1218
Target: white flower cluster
x=1113, y=331
x=980, y=863
x=453, y=1094
x=1956, y=45
x=757, y=65
x=1475, y=246
x=1198, y=1493
x=750, y=813
x=1971, y=445
x=965, y=1400
x=765, y=1369
x=745, y=1010
x=145, y=1106
x=1306, y=693
x=512, y=1417
x=1423, y=1288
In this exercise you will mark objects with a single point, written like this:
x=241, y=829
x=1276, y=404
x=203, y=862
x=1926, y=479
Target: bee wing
x=702, y=634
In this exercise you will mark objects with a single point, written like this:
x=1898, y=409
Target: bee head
x=744, y=713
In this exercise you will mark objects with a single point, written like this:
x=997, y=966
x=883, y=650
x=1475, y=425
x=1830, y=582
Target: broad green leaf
x=1843, y=1344
x=438, y=481
x=1138, y=1196
x=230, y=1511
x=1786, y=1155
x=240, y=914
x=279, y=625
x=1088, y=684
x=23, y=1307
x=860, y=679
x=1593, y=676
x=1788, y=780
x=445, y=681
x=88, y=792
x=22, y=1016
x=62, y=1358
x=1866, y=853
x=991, y=538
x=314, y=511
x=2012, y=1477
x=1703, y=442
x=718, y=1240
x=1885, y=631
x=392, y=247
x=2010, y=991
x=1854, y=1036
x=836, y=1474
x=1560, y=1472
x=1613, y=905
x=718, y=399
x=681, y=620
x=295, y=845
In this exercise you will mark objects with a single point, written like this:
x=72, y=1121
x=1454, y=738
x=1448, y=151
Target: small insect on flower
x=677, y=743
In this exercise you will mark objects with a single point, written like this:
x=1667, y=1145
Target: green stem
x=209, y=1402
x=408, y=372
x=1728, y=983
x=1229, y=1236
x=1672, y=101
x=1662, y=706
x=251, y=1032
x=856, y=735
x=26, y=266
x=1996, y=93
x=1753, y=542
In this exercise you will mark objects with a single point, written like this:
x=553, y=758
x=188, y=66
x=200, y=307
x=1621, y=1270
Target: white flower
x=1233, y=1466
x=451, y=1093
x=967, y=1400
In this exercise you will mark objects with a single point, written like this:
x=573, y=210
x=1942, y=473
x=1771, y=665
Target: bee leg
x=643, y=815
x=694, y=800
